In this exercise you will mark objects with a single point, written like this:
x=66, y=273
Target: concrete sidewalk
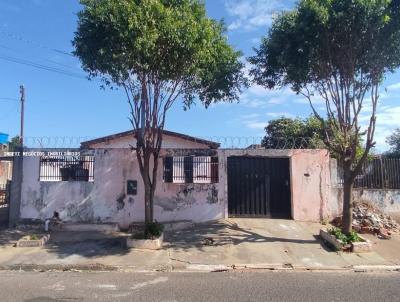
x=238, y=243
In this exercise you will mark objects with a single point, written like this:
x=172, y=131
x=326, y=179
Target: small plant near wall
x=346, y=239
x=149, y=236
x=33, y=237
x=153, y=230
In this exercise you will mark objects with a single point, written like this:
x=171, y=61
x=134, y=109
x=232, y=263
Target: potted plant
x=150, y=237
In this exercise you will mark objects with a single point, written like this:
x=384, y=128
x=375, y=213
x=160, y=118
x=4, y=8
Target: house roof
x=210, y=144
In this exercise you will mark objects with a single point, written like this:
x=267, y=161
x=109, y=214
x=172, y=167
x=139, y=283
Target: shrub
x=34, y=237
x=153, y=230
x=346, y=239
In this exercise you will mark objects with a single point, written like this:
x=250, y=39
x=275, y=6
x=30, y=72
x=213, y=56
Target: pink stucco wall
x=105, y=200
x=310, y=180
x=310, y=176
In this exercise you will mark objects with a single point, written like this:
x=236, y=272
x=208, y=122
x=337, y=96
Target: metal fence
x=4, y=193
x=377, y=173
x=67, y=168
x=191, y=169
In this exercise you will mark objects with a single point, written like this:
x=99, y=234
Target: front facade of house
x=196, y=182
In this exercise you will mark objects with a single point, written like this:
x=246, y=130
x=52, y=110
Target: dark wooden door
x=259, y=187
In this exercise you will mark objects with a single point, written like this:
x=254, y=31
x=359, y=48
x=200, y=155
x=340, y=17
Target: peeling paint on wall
x=121, y=202
x=80, y=212
x=102, y=200
x=212, y=196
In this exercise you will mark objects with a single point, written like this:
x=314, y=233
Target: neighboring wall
x=385, y=199
x=5, y=171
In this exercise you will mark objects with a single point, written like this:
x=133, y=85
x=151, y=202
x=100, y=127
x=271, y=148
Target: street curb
x=200, y=268
x=376, y=268
x=58, y=267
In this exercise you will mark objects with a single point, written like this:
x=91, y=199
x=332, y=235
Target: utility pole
x=21, y=135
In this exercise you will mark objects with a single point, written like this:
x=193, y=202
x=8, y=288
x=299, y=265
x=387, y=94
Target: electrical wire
x=37, y=44
x=9, y=99
x=40, y=66
x=40, y=58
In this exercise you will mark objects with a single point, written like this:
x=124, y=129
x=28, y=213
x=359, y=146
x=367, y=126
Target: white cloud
x=395, y=86
x=256, y=125
x=280, y=114
x=387, y=119
x=276, y=101
x=253, y=121
x=252, y=14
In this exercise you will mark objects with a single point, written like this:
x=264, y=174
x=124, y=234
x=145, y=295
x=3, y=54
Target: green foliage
x=14, y=144
x=309, y=130
x=34, y=237
x=162, y=41
x=153, y=230
x=346, y=239
x=394, y=142
x=320, y=38
x=340, y=51
x=158, y=51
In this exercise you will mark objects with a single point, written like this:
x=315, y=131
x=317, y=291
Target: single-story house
x=197, y=181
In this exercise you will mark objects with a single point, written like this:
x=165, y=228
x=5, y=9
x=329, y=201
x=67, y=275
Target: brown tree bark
x=147, y=187
x=347, y=223
x=347, y=209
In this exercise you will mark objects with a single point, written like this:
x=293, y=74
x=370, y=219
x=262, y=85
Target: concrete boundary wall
x=386, y=200
x=105, y=199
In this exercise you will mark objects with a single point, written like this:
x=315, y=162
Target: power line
x=37, y=44
x=7, y=115
x=40, y=66
x=40, y=58
x=9, y=99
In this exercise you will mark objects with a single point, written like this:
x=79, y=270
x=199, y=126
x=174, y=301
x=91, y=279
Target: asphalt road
x=168, y=287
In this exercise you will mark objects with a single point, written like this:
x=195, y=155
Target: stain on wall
x=102, y=200
x=121, y=202
x=212, y=195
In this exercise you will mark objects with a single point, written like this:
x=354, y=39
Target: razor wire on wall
x=226, y=142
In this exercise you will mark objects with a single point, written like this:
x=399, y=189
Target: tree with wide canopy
x=158, y=52
x=335, y=52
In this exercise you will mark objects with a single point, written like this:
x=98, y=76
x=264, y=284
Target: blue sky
x=68, y=105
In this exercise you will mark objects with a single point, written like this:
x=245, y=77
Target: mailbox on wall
x=131, y=187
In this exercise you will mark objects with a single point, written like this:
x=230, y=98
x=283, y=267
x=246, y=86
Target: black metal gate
x=4, y=203
x=259, y=187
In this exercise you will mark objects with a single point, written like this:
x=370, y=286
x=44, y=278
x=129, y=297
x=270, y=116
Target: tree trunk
x=347, y=223
x=147, y=194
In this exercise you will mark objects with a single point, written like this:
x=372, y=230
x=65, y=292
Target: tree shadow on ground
x=65, y=244
x=325, y=245
x=98, y=244
x=221, y=233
